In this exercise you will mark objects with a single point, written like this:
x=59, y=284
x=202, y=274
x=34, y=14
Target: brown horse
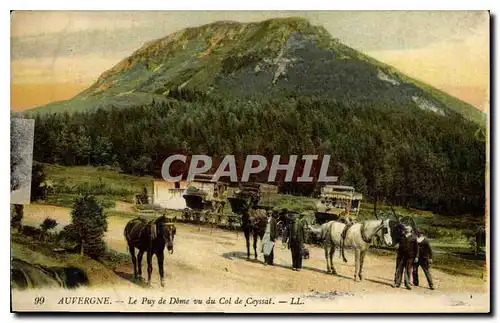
x=245, y=202
x=150, y=237
x=253, y=223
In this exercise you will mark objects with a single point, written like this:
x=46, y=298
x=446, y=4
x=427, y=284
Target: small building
x=169, y=195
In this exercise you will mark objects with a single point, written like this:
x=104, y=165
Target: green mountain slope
x=258, y=61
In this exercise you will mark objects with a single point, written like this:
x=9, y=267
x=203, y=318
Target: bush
x=89, y=225
x=48, y=224
x=67, y=200
x=69, y=233
x=68, y=238
x=95, y=188
x=17, y=216
x=31, y=231
x=39, y=186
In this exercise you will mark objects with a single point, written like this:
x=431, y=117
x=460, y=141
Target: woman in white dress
x=269, y=239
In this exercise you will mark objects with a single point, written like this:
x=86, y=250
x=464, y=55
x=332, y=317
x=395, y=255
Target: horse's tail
x=343, y=236
x=343, y=251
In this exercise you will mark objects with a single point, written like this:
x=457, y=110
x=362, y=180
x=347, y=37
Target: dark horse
x=253, y=219
x=253, y=223
x=150, y=237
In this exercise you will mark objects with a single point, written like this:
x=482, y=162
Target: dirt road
x=205, y=263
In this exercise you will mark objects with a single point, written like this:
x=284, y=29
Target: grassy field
x=106, y=184
x=456, y=260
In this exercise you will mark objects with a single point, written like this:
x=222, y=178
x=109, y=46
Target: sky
x=57, y=54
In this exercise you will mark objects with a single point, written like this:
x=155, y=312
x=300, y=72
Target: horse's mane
x=155, y=224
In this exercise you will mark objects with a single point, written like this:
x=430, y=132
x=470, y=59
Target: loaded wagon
x=205, y=200
x=247, y=196
x=337, y=201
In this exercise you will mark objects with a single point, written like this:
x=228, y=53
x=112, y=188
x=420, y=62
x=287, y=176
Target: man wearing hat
x=296, y=239
x=424, y=260
x=406, y=256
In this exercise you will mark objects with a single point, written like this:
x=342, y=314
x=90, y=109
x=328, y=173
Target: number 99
x=39, y=300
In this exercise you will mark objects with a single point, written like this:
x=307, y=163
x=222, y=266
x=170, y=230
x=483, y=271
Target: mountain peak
x=274, y=58
x=269, y=34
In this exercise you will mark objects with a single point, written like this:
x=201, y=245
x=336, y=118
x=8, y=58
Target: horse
x=253, y=223
x=321, y=231
x=253, y=219
x=358, y=237
x=150, y=237
x=396, y=230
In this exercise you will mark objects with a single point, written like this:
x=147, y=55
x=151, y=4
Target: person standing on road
x=424, y=260
x=268, y=241
x=407, y=255
x=296, y=240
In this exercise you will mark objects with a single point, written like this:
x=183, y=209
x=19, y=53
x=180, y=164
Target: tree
x=17, y=216
x=47, y=224
x=39, y=186
x=102, y=151
x=90, y=224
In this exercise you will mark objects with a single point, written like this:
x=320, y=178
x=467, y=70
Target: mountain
x=277, y=58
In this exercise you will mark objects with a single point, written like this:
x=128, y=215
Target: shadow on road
x=322, y=271
x=243, y=256
x=233, y=255
x=132, y=279
x=379, y=282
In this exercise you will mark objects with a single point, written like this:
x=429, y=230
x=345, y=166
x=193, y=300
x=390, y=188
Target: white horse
x=358, y=237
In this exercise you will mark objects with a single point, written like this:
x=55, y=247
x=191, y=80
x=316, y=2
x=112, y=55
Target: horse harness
x=362, y=231
x=343, y=235
x=363, y=236
x=153, y=234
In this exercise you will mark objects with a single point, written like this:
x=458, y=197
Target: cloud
x=451, y=63
x=398, y=30
x=40, y=23
x=75, y=32
x=77, y=69
x=121, y=41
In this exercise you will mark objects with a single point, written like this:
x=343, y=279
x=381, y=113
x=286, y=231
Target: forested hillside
x=408, y=157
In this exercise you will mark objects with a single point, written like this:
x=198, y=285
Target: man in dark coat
x=424, y=260
x=296, y=240
x=407, y=255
